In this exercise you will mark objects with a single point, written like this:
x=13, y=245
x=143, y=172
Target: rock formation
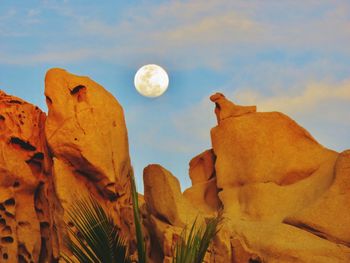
x=87, y=136
x=26, y=221
x=80, y=148
x=285, y=198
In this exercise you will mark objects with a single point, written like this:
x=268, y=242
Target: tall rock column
x=87, y=137
x=27, y=232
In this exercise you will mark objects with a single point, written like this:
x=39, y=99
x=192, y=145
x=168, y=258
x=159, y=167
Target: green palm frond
x=191, y=247
x=96, y=238
x=141, y=247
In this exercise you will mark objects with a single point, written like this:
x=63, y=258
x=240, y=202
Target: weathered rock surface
x=26, y=222
x=265, y=157
x=329, y=216
x=80, y=148
x=271, y=173
x=172, y=208
x=204, y=192
x=86, y=133
x=285, y=197
x=169, y=211
x=86, y=128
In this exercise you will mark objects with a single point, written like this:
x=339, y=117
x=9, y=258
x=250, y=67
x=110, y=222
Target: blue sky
x=289, y=56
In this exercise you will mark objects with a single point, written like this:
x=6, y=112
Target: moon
x=151, y=81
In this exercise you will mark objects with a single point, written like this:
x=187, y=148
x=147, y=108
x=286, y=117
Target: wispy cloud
x=313, y=95
x=206, y=34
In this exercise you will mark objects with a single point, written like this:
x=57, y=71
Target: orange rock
x=281, y=243
x=169, y=211
x=202, y=167
x=86, y=133
x=285, y=197
x=203, y=194
x=259, y=155
x=164, y=199
x=329, y=216
x=26, y=229
x=225, y=108
x=271, y=172
x=86, y=128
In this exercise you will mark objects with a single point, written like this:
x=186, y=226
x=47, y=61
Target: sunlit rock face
x=204, y=192
x=86, y=128
x=81, y=148
x=168, y=211
x=87, y=135
x=284, y=196
x=26, y=222
x=262, y=157
x=283, y=193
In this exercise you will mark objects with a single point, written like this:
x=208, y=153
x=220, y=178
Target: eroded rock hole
x=23, y=223
x=15, y=102
x=9, y=215
x=38, y=156
x=48, y=100
x=77, y=89
x=7, y=239
x=10, y=202
x=22, y=144
x=80, y=92
x=6, y=230
x=2, y=222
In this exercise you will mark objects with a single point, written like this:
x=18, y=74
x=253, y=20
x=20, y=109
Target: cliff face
x=80, y=148
x=87, y=137
x=26, y=220
x=285, y=197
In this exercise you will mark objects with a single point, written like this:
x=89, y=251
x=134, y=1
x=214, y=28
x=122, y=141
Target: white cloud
x=199, y=34
x=313, y=95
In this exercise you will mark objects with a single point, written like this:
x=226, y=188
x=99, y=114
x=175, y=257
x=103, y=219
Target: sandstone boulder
x=329, y=216
x=164, y=198
x=204, y=193
x=263, y=158
x=169, y=211
x=276, y=182
x=86, y=128
x=87, y=136
x=26, y=222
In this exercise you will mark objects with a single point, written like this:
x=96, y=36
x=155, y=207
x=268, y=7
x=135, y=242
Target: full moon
x=151, y=81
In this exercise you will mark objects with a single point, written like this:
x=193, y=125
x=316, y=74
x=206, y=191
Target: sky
x=289, y=56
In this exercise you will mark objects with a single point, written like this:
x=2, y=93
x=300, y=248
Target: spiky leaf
x=95, y=238
x=141, y=247
x=191, y=247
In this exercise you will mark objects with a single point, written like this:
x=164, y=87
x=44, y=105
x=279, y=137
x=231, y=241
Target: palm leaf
x=96, y=238
x=141, y=247
x=191, y=247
